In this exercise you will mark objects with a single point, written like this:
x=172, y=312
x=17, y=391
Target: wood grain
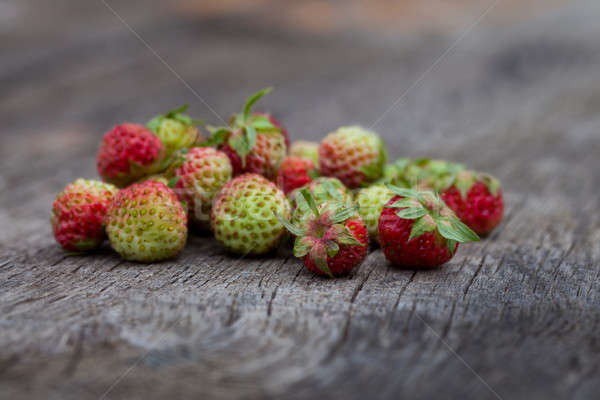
x=513, y=317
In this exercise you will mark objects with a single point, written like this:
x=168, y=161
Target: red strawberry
x=332, y=241
x=251, y=141
x=417, y=230
x=79, y=213
x=127, y=153
x=294, y=173
x=475, y=197
x=477, y=200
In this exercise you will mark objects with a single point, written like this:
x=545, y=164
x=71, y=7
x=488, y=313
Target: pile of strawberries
x=247, y=185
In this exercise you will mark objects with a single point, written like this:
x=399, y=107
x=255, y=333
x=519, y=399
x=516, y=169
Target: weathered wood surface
x=513, y=317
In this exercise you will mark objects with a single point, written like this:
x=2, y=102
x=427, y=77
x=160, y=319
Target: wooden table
x=513, y=317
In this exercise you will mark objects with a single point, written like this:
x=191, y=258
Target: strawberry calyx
x=241, y=133
x=323, y=232
x=430, y=213
x=176, y=114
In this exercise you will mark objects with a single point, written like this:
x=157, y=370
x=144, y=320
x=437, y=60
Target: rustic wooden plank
x=514, y=316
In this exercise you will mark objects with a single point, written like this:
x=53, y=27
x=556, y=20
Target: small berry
x=79, y=212
x=417, y=230
x=295, y=172
x=127, y=153
x=243, y=216
x=352, y=154
x=332, y=240
x=370, y=201
x=175, y=130
x=146, y=222
x=202, y=174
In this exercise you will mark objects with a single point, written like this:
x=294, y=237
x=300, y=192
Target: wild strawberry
x=202, y=173
x=278, y=125
x=129, y=152
x=417, y=230
x=175, y=130
x=332, y=241
x=476, y=198
x=352, y=154
x=146, y=222
x=370, y=202
x=322, y=189
x=252, y=142
x=78, y=214
x=294, y=173
x=305, y=149
x=243, y=215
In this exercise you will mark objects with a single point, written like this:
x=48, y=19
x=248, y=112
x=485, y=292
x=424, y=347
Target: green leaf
x=302, y=246
x=404, y=203
x=343, y=235
x=262, y=123
x=343, y=214
x=218, y=137
x=331, y=189
x=173, y=113
x=332, y=248
x=251, y=136
x=239, y=143
x=455, y=230
x=451, y=245
x=318, y=254
x=296, y=231
x=372, y=171
x=173, y=181
x=253, y=99
x=310, y=200
x=404, y=192
x=421, y=226
x=411, y=213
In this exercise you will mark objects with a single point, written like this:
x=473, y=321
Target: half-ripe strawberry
x=354, y=155
x=202, y=173
x=79, y=214
x=332, y=240
x=129, y=152
x=295, y=172
x=253, y=143
x=305, y=149
x=417, y=230
x=175, y=130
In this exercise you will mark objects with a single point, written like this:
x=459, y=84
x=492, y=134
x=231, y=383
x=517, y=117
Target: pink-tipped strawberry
x=332, y=241
x=295, y=172
x=129, y=152
x=354, y=155
x=417, y=230
x=251, y=141
x=476, y=198
x=175, y=130
x=79, y=213
x=202, y=173
x=146, y=222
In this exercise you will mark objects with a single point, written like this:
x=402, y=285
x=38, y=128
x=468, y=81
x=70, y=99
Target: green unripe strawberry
x=175, y=130
x=370, y=202
x=146, y=222
x=243, y=217
x=354, y=155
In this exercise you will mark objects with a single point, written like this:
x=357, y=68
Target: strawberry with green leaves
x=146, y=222
x=175, y=130
x=417, y=230
x=332, y=240
x=354, y=155
x=322, y=189
x=129, y=152
x=253, y=143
